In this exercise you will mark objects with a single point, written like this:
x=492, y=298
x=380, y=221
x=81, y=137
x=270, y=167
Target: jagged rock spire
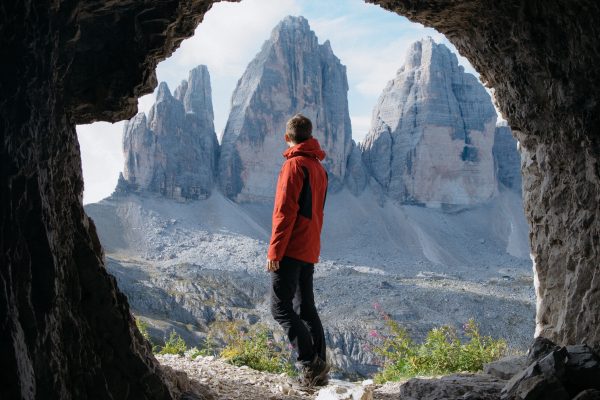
x=432, y=132
x=292, y=73
x=174, y=151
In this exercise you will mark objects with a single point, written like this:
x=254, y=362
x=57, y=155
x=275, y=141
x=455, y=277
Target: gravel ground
x=185, y=265
x=229, y=382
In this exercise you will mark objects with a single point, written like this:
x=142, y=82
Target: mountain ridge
x=445, y=159
x=189, y=257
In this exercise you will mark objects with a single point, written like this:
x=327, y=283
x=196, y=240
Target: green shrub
x=442, y=352
x=174, y=345
x=194, y=352
x=208, y=349
x=143, y=328
x=256, y=349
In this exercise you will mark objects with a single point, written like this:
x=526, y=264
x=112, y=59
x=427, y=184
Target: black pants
x=293, y=306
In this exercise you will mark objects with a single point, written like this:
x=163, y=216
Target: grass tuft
x=442, y=351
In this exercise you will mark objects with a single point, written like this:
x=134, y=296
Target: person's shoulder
x=291, y=162
x=292, y=165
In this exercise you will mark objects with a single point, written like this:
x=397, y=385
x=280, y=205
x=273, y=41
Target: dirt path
x=229, y=382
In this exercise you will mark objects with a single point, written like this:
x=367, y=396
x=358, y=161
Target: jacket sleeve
x=285, y=209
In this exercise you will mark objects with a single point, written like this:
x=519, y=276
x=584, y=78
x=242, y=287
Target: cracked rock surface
x=432, y=132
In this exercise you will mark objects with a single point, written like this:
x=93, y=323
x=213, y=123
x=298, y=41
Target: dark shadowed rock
x=506, y=367
x=582, y=368
x=534, y=383
x=453, y=387
x=66, y=330
x=292, y=73
x=540, y=348
x=556, y=372
x=590, y=394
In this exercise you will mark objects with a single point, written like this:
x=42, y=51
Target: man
x=295, y=247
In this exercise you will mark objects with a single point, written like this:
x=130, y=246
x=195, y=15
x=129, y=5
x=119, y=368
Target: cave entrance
x=59, y=303
x=431, y=248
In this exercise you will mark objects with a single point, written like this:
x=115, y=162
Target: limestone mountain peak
x=163, y=92
x=432, y=132
x=174, y=150
x=198, y=94
x=292, y=73
x=293, y=23
x=426, y=52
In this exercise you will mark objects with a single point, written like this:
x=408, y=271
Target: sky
x=369, y=40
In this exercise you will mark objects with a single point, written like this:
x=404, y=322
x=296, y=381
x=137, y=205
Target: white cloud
x=229, y=36
x=101, y=158
x=145, y=103
x=360, y=126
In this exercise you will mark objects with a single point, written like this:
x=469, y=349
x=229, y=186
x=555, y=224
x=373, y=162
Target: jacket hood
x=309, y=148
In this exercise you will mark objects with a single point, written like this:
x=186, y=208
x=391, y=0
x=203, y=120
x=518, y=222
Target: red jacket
x=299, y=203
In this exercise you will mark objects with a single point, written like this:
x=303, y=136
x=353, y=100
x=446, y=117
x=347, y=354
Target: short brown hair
x=298, y=128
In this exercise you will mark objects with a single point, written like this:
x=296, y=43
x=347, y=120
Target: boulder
x=340, y=390
x=540, y=348
x=453, y=387
x=582, y=368
x=506, y=367
x=555, y=372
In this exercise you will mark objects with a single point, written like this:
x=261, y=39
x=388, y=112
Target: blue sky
x=369, y=40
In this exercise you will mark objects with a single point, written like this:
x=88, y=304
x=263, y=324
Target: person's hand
x=272, y=265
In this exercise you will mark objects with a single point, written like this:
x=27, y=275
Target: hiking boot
x=315, y=373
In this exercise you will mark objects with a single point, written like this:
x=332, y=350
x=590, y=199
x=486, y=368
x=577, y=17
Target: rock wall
x=507, y=159
x=432, y=132
x=561, y=187
x=65, y=329
x=174, y=151
x=292, y=73
x=537, y=57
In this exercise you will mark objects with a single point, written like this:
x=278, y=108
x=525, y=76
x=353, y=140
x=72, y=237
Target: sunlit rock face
x=292, y=73
x=507, y=160
x=432, y=132
x=174, y=151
